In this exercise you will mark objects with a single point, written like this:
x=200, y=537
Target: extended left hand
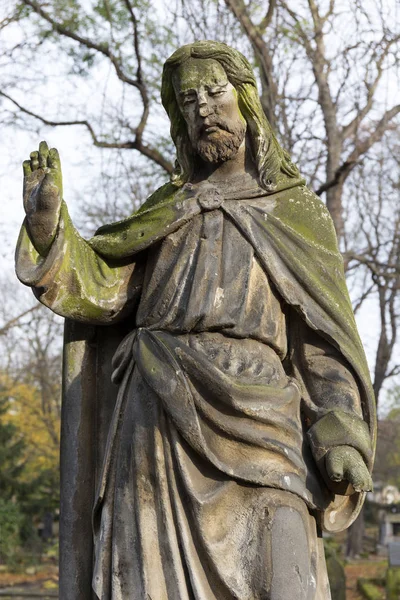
x=346, y=463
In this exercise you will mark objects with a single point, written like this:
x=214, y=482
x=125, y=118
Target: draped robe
x=242, y=368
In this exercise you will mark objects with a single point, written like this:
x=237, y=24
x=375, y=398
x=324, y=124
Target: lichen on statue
x=240, y=421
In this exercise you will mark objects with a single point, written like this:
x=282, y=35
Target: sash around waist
x=230, y=400
x=246, y=359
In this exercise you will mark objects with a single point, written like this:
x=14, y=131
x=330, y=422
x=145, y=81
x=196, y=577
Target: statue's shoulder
x=304, y=212
x=163, y=194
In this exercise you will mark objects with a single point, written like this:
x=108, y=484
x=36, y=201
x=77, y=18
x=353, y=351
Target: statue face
x=208, y=103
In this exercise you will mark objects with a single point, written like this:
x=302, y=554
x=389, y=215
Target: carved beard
x=223, y=144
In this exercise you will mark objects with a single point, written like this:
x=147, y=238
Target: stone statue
x=240, y=421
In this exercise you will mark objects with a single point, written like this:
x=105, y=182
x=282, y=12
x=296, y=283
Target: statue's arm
x=65, y=273
x=337, y=432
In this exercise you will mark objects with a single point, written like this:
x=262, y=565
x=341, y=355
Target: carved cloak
x=294, y=241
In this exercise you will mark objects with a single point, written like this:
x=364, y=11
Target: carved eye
x=188, y=100
x=217, y=93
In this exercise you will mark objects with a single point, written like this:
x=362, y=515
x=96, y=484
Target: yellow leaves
x=37, y=423
x=50, y=585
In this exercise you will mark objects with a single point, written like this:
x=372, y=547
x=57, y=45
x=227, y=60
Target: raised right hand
x=43, y=196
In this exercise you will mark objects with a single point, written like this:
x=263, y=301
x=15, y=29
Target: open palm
x=42, y=194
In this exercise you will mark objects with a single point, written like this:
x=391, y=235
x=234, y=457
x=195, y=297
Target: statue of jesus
x=243, y=423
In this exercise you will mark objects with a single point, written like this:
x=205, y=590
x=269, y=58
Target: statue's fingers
x=54, y=161
x=334, y=466
x=34, y=160
x=43, y=154
x=26, y=166
x=362, y=486
x=357, y=483
x=360, y=479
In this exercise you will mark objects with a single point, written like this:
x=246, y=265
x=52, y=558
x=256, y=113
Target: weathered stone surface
x=225, y=414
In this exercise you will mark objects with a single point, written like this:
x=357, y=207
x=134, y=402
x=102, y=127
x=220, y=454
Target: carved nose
x=204, y=110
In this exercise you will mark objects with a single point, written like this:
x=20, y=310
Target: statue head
x=208, y=103
x=215, y=70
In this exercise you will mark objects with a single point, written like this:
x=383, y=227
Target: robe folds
x=237, y=365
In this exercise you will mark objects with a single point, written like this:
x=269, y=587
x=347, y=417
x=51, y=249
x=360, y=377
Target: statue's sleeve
x=75, y=281
x=332, y=407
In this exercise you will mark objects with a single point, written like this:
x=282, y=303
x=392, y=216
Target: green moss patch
x=369, y=590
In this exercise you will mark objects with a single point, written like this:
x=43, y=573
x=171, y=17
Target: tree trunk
x=47, y=533
x=262, y=54
x=334, y=194
x=335, y=206
x=355, y=535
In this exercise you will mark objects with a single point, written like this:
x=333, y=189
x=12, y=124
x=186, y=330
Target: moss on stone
x=369, y=590
x=336, y=576
x=393, y=583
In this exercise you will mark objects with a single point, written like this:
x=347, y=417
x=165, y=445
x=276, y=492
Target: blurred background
x=85, y=75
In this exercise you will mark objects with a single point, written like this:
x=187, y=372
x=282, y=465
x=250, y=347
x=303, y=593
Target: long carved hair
x=273, y=163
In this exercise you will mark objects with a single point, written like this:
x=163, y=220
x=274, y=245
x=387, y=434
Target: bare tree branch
x=105, y=50
x=101, y=48
x=135, y=144
x=269, y=89
x=321, y=67
x=363, y=297
x=351, y=128
x=378, y=130
x=15, y=321
x=139, y=72
x=340, y=175
x=362, y=148
x=266, y=21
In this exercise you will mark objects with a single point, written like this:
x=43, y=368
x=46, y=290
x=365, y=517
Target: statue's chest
x=205, y=276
